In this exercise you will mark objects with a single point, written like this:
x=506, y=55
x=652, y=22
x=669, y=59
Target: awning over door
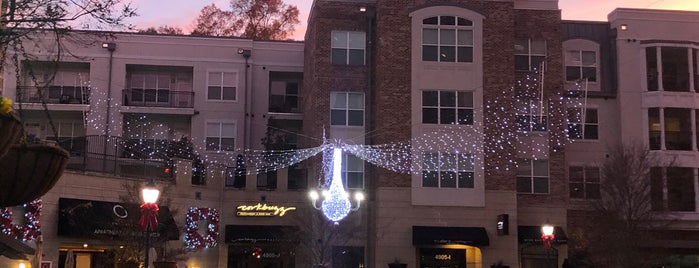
x=99, y=219
x=260, y=233
x=13, y=248
x=532, y=234
x=429, y=235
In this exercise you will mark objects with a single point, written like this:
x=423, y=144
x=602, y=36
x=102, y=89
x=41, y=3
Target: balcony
x=158, y=98
x=118, y=156
x=53, y=94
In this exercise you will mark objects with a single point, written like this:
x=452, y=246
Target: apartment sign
x=262, y=210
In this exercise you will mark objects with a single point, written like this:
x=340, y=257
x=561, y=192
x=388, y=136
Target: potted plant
x=499, y=264
x=10, y=126
x=397, y=264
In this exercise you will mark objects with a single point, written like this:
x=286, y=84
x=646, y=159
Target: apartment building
x=168, y=104
x=438, y=79
x=435, y=75
x=641, y=73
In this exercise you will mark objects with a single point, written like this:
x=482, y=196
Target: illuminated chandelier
x=336, y=204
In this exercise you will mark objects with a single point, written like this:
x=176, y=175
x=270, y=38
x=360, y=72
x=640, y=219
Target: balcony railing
x=158, y=98
x=114, y=155
x=53, y=94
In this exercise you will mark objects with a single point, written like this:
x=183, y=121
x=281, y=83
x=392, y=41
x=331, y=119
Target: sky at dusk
x=182, y=13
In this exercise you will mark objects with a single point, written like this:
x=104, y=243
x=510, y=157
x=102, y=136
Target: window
x=267, y=180
x=353, y=172
x=297, y=178
x=285, y=92
x=529, y=54
x=222, y=86
x=220, y=136
x=679, y=187
x=533, y=176
x=71, y=136
x=582, y=125
x=235, y=176
x=584, y=182
x=447, y=170
x=346, y=109
x=654, y=128
x=149, y=87
x=348, y=47
x=533, y=117
x=672, y=64
x=581, y=65
x=678, y=129
x=447, y=107
x=447, y=39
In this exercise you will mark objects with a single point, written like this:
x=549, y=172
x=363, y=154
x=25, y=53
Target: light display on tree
x=192, y=237
x=30, y=229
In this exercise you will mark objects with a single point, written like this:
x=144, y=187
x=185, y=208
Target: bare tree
x=163, y=29
x=20, y=19
x=623, y=215
x=317, y=236
x=255, y=19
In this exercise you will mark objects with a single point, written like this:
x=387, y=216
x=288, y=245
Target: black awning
x=13, y=248
x=99, y=220
x=260, y=233
x=428, y=235
x=532, y=234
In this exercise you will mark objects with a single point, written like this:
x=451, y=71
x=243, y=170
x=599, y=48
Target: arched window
x=447, y=39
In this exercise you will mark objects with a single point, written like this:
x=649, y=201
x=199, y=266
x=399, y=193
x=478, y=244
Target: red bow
x=149, y=216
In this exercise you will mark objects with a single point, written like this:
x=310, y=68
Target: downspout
x=371, y=202
x=246, y=53
x=110, y=47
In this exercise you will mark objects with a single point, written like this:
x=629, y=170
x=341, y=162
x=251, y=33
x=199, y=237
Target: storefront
x=103, y=234
x=532, y=251
x=261, y=246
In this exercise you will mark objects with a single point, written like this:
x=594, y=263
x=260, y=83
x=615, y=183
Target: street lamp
x=149, y=212
x=547, y=237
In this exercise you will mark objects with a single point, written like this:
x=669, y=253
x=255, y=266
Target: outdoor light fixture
x=109, y=46
x=362, y=9
x=336, y=204
x=547, y=235
x=245, y=52
x=149, y=212
x=624, y=27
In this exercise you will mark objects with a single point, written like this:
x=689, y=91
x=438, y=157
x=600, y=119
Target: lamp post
x=149, y=213
x=547, y=237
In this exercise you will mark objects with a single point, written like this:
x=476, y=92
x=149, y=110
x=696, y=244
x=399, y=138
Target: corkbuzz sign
x=262, y=210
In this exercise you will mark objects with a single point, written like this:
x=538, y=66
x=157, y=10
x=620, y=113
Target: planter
x=128, y=265
x=10, y=131
x=397, y=265
x=165, y=264
x=29, y=171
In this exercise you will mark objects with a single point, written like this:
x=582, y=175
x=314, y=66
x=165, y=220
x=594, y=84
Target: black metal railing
x=119, y=156
x=158, y=98
x=53, y=94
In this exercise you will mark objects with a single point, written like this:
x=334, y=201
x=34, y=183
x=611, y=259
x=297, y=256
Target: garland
x=31, y=227
x=192, y=237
